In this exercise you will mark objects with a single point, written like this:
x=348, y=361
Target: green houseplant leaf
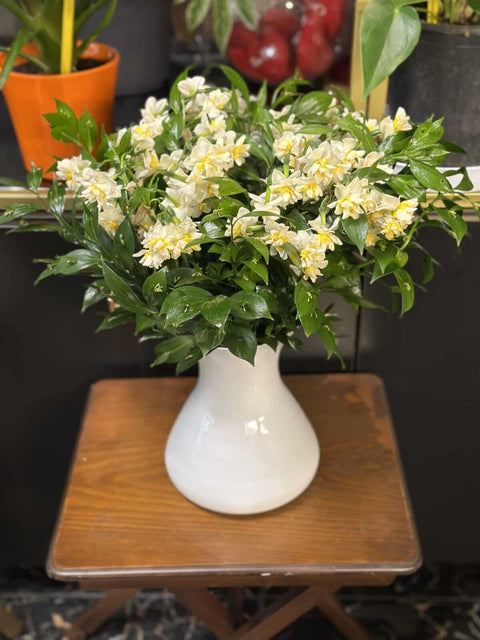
x=389, y=32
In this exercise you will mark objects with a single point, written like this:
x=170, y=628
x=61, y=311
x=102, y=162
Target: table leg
x=335, y=612
x=278, y=615
x=235, y=604
x=102, y=611
x=207, y=609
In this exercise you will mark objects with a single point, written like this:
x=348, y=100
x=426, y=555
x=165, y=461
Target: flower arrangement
x=220, y=219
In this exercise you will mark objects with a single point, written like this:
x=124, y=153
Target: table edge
x=288, y=571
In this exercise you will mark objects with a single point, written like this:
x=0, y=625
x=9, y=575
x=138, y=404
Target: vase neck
x=222, y=369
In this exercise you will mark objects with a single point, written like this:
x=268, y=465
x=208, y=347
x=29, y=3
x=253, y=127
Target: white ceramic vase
x=241, y=443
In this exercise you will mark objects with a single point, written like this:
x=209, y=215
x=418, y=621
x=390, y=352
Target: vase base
x=241, y=501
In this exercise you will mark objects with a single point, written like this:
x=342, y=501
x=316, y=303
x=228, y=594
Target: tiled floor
x=441, y=603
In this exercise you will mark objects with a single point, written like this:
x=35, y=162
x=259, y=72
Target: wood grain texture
x=122, y=518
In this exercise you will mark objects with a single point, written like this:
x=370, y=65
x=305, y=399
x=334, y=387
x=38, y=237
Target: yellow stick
x=67, y=36
x=433, y=7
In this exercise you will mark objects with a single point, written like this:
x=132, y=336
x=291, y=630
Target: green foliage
x=236, y=290
x=197, y=10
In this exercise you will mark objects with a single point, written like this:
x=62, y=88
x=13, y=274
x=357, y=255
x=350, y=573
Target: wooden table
x=123, y=526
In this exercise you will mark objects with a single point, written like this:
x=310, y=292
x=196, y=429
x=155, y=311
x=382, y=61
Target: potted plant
x=440, y=54
x=46, y=61
x=215, y=226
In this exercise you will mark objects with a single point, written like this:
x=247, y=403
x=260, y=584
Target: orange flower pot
x=29, y=96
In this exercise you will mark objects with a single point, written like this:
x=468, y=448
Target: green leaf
x=87, y=130
x=249, y=305
x=207, y=337
x=56, y=198
x=456, y=223
x=314, y=102
x=216, y=311
x=122, y=292
x=241, y=341
x=124, y=243
x=384, y=256
x=428, y=267
x=92, y=296
x=388, y=35
x=100, y=26
x=427, y=133
x=192, y=357
x=183, y=304
x=260, y=247
x=315, y=129
x=175, y=97
x=90, y=221
x=125, y=142
x=428, y=176
x=23, y=36
x=330, y=342
x=116, y=319
x=247, y=13
x=237, y=81
x=465, y=183
x=305, y=298
x=406, y=288
x=474, y=4
x=222, y=23
x=143, y=322
x=70, y=264
x=17, y=210
x=356, y=230
x=227, y=186
x=258, y=268
x=11, y=182
x=196, y=12
x=34, y=178
x=155, y=285
x=311, y=322
x=173, y=349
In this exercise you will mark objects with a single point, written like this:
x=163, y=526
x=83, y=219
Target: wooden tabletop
x=123, y=519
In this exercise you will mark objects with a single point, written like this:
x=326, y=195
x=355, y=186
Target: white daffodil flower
x=165, y=241
x=110, y=218
x=209, y=159
x=400, y=122
x=153, y=109
x=71, y=170
x=285, y=188
x=191, y=86
x=326, y=235
x=288, y=143
x=239, y=226
x=214, y=102
x=350, y=199
x=277, y=235
x=259, y=204
x=312, y=254
x=207, y=126
x=99, y=187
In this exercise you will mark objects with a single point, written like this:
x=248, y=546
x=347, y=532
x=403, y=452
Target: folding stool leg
x=97, y=615
x=207, y=609
x=335, y=612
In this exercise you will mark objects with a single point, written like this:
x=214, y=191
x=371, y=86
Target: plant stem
x=22, y=15
x=33, y=59
x=87, y=14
